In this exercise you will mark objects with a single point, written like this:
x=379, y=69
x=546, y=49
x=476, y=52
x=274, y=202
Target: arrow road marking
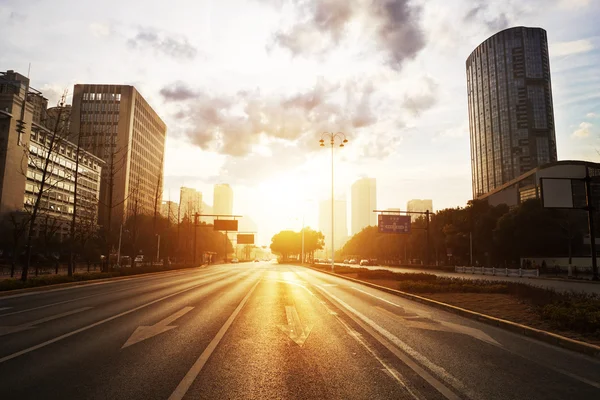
x=5, y=330
x=294, y=329
x=146, y=332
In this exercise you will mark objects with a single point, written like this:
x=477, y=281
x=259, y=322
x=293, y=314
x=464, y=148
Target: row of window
x=102, y=96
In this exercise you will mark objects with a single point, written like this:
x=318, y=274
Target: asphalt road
x=266, y=331
x=549, y=283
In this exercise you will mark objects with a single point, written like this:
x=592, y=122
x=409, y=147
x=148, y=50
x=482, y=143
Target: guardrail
x=498, y=271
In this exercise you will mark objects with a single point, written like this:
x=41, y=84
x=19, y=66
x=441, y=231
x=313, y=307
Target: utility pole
x=195, y=235
x=427, y=233
x=590, y=210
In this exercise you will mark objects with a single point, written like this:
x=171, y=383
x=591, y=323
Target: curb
x=544, y=336
x=45, y=288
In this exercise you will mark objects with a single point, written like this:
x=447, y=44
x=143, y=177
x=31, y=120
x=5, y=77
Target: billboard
x=563, y=193
x=245, y=238
x=389, y=223
x=230, y=225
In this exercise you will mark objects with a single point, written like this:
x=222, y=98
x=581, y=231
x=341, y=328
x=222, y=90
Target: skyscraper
x=121, y=128
x=191, y=202
x=511, y=117
x=340, y=209
x=418, y=205
x=223, y=199
x=364, y=201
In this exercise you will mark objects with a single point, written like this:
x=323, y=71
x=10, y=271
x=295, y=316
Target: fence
x=47, y=270
x=499, y=271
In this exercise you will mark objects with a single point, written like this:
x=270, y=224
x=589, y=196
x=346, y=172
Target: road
x=266, y=331
x=556, y=284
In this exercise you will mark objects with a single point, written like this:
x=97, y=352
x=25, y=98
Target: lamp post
x=332, y=138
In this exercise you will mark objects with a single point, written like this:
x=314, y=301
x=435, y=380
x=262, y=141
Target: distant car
x=364, y=262
x=353, y=261
x=345, y=261
x=234, y=260
x=139, y=259
x=256, y=260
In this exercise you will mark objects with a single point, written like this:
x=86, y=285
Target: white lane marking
x=85, y=328
x=84, y=285
x=98, y=294
x=146, y=332
x=5, y=330
x=5, y=308
x=445, y=326
x=191, y=375
x=401, y=349
x=294, y=329
x=391, y=371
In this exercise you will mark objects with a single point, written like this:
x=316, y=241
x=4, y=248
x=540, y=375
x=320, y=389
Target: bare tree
x=157, y=204
x=52, y=175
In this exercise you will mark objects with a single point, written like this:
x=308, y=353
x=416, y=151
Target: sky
x=248, y=87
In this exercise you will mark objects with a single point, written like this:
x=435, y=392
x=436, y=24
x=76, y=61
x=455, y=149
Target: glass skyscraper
x=511, y=117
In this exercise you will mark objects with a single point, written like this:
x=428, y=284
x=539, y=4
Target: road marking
x=191, y=375
x=85, y=328
x=418, y=322
x=146, y=332
x=390, y=371
x=294, y=328
x=5, y=308
x=400, y=349
x=100, y=294
x=5, y=330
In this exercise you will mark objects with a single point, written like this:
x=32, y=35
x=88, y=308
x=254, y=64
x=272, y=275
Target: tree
x=286, y=244
x=313, y=241
x=45, y=161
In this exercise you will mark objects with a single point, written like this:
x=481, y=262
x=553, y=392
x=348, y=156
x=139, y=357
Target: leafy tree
x=286, y=244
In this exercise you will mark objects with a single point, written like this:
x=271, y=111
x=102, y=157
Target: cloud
x=178, y=92
x=480, y=12
x=592, y=115
x=573, y=4
x=583, y=131
x=323, y=24
x=160, y=42
x=423, y=97
x=235, y=125
x=99, y=29
x=573, y=47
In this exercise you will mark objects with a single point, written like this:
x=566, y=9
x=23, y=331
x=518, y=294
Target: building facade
x=511, y=117
x=191, y=202
x=418, y=205
x=363, y=202
x=41, y=158
x=223, y=199
x=340, y=237
x=121, y=128
x=528, y=186
x=169, y=210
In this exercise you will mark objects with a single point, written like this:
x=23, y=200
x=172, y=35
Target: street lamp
x=332, y=138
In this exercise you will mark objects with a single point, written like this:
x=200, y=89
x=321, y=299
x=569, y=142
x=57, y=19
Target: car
x=364, y=262
x=139, y=258
x=345, y=261
x=256, y=260
x=353, y=261
x=234, y=260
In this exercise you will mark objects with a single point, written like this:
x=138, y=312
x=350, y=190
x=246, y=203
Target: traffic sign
x=230, y=225
x=393, y=223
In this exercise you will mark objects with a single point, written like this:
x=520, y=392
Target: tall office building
x=42, y=145
x=511, y=117
x=418, y=205
x=340, y=209
x=121, y=128
x=223, y=199
x=364, y=201
x=169, y=210
x=191, y=202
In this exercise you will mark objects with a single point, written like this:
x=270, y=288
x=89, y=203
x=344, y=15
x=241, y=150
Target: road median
x=539, y=334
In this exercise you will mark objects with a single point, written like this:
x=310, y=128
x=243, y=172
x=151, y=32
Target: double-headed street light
x=332, y=140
